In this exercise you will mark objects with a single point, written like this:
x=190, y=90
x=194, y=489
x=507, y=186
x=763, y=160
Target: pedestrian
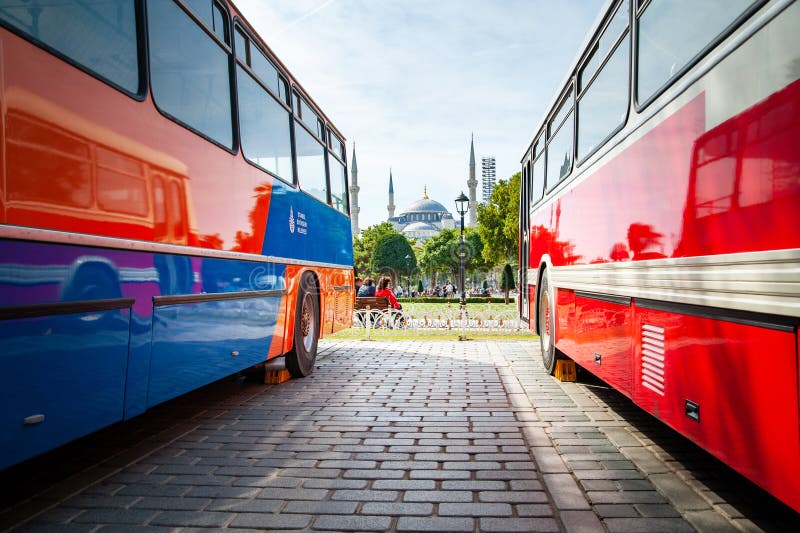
x=358, y=285
x=367, y=289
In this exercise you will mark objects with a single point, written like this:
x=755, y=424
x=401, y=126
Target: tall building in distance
x=488, y=177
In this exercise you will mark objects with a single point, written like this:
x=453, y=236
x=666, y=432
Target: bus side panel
x=603, y=341
x=64, y=367
x=302, y=228
x=195, y=344
x=742, y=382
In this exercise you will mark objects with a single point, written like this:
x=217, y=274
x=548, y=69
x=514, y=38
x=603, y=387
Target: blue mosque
x=424, y=218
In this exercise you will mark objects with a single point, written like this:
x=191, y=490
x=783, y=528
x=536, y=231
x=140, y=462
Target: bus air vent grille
x=653, y=358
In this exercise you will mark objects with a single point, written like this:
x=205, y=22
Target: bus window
x=603, y=106
x=559, y=149
x=189, y=73
x=667, y=43
x=265, y=70
x=537, y=173
x=310, y=163
x=338, y=184
x=242, y=46
x=212, y=16
x=264, y=128
x=68, y=27
x=616, y=27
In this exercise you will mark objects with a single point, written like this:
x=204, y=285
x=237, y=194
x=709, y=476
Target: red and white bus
x=660, y=223
x=173, y=210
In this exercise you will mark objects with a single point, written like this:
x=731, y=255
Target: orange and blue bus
x=659, y=209
x=174, y=210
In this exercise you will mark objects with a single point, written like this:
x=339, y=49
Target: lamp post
x=408, y=275
x=462, y=204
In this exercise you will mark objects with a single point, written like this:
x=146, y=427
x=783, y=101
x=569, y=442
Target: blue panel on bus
x=301, y=227
x=197, y=343
x=61, y=377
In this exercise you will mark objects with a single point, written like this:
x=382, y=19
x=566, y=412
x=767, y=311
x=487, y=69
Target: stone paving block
x=642, y=525
x=271, y=522
x=679, y=493
x=351, y=523
x=520, y=525
x=437, y=496
x=534, y=509
x=397, y=509
x=440, y=474
x=292, y=494
x=454, y=525
x=365, y=495
x=580, y=522
x=115, y=516
x=404, y=484
x=335, y=483
x=565, y=492
x=474, y=509
x=191, y=518
x=375, y=474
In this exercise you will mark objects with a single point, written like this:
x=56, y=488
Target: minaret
x=354, y=188
x=391, y=196
x=472, y=183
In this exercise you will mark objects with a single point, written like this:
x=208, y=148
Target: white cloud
x=410, y=81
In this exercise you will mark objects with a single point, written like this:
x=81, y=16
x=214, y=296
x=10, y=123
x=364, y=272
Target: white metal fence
x=445, y=319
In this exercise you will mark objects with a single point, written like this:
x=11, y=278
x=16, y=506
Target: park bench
x=378, y=303
x=380, y=314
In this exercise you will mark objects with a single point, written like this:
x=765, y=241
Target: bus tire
x=546, y=323
x=300, y=360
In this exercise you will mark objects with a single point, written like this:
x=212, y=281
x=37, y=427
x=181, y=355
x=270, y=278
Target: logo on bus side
x=299, y=223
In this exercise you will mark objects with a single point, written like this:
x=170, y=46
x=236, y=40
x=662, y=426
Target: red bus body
x=674, y=252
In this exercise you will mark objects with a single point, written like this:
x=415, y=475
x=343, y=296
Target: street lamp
x=408, y=274
x=462, y=204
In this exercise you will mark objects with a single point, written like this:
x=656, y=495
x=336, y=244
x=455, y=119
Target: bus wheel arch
x=301, y=358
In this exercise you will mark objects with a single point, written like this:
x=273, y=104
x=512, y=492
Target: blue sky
x=409, y=81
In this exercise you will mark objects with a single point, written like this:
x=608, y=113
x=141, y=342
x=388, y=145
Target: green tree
x=389, y=258
x=507, y=280
x=498, y=222
x=364, y=246
x=439, y=255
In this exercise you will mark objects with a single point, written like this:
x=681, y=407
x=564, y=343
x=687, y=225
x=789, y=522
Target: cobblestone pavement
x=391, y=436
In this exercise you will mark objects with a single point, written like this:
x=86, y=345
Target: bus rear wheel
x=546, y=319
x=300, y=361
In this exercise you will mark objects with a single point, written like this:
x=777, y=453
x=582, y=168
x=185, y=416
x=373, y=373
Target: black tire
x=546, y=322
x=300, y=361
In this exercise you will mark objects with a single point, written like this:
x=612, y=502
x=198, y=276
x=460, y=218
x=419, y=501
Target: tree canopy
x=364, y=246
x=441, y=254
x=389, y=258
x=498, y=222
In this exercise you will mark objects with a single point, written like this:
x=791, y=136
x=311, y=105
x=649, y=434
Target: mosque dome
x=425, y=205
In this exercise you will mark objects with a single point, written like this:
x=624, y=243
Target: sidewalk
x=397, y=436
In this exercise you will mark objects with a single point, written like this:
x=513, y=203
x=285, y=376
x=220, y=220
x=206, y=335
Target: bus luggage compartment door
x=62, y=376
x=195, y=344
